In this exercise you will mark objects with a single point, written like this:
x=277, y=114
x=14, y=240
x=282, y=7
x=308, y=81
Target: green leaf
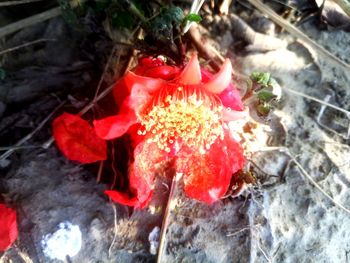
x=173, y=14
x=263, y=109
x=266, y=95
x=262, y=78
x=2, y=74
x=193, y=18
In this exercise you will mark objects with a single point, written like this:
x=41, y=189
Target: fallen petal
x=77, y=140
x=8, y=227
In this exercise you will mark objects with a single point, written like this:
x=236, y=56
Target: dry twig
x=30, y=135
x=115, y=229
x=170, y=206
x=29, y=21
x=2, y=52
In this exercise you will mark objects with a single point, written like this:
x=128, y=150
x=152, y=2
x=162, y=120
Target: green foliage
x=262, y=78
x=193, y=18
x=266, y=95
x=263, y=109
x=266, y=91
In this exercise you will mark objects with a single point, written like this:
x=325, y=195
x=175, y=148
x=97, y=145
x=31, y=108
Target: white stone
x=66, y=241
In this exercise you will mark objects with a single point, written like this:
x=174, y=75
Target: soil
x=283, y=218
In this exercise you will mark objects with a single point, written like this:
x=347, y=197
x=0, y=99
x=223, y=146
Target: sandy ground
x=283, y=219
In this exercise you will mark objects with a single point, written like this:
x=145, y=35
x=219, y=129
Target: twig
x=105, y=71
x=11, y=28
x=99, y=173
x=170, y=206
x=319, y=120
x=83, y=111
x=30, y=135
x=17, y=2
x=2, y=149
x=238, y=232
x=115, y=230
x=296, y=32
x=29, y=21
x=317, y=100
x=2, y=52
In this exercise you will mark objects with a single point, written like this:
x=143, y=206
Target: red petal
x=77, y=139
x=207, y=176
x=231, y=115
x=124, y=86
x=191, y=75
x=123, y=198
x=114, y=126
x=8, y=227
x=231, y=98
x=235, y=154
x=120, y=92
x=162, y=72
x=220, y=80
x=141, y=176
x=149, y=84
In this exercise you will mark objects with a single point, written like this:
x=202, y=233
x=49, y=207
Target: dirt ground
x=284, y=218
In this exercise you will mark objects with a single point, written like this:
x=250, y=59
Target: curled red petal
x=230, y=96
x=77, y=139
x=191, y=75
x=207, y=176
x=220, y=80
x=8, y=227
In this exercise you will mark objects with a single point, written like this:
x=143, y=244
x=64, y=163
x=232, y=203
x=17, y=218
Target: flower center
x=186, y=115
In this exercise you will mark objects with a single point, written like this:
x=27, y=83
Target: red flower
x=78, y=140
x=181, y=115
x=8, y=227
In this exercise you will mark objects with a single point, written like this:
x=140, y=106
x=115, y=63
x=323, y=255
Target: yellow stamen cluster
x=191, y=117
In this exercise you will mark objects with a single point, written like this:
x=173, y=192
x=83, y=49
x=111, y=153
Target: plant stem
x=170, y=206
